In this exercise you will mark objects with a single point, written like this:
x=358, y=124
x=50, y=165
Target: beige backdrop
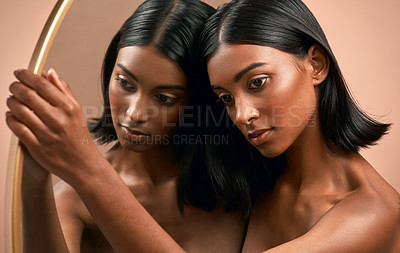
x=364, y=36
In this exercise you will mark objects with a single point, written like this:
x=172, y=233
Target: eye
x=257, y=83
x=226, y=98
x=166, y=99
x=124, y=83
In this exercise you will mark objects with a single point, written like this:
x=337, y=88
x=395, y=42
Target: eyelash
x=162, y=97
x=124, y=83
x=263, y=79
x=221, y=97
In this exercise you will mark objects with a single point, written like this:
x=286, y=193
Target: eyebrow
x=171, y=87
x=168, y=87
x=128, y=72
x=216, y=87
x=247, y=69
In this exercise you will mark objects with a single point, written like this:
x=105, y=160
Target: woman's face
x=269, y=94
x=146, y=91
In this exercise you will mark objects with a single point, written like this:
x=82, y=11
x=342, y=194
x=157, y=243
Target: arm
x=50, y=124
x=365, y=223
x=41, y=227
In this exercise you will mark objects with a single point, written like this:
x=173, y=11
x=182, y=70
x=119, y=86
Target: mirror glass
x=81, y=43
x=79, y=48
x=82, y=40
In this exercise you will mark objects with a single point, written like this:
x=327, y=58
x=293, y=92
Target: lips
x=134, y=134
x=134, y=130
x=260, y=136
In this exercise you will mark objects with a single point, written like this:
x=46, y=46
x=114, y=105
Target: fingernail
x=17, y=71
x=52, y=71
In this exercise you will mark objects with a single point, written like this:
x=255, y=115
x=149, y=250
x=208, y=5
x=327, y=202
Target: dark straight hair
x=289, y=26
x=173, y=27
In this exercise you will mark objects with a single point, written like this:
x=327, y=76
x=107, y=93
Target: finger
x=27, y=117
x=63, y=86
x=44, y=87
x=24, y=134
x=59, y=83
x=33, y=101
x=44, y=74
x=55, y=79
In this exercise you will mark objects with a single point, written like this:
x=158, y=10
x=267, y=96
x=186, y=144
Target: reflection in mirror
x=16, y=152
x=77, y=56
x=79, y=48
x=77, y=59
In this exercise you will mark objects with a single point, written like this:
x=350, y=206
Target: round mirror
x=366, y=47
x=73, y=42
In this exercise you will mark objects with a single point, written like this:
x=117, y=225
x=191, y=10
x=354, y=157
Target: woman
x=150, y=73
x=272, y=67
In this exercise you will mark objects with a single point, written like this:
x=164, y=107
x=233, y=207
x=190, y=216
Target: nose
x=246, y=112
x=137, y=111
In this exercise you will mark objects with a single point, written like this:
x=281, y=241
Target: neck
x=156, y=165
x=312, y=162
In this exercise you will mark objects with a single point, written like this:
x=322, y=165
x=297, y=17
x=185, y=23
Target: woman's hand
x=48, y=120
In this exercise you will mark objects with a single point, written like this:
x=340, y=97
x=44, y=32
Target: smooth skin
x=95, y=204
x=327, y=200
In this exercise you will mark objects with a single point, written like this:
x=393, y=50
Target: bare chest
x=278, y=220
x=195, y=230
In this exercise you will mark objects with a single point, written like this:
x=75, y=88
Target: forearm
x=41, y=226
x=122, y=219
x=51, y=125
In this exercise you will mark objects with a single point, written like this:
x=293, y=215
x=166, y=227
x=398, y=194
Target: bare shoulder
x=373, y=191
x=70, y=207
x=368, y=217
x=66, y=195
x=384, y=208
x=70, y=210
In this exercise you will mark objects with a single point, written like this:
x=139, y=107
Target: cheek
x=172, y=115
x=118, y=105
x=113, y=99
x=166, y=121
x=231, y=113
x=288, y=89
x=292, y=101
x=113, y=96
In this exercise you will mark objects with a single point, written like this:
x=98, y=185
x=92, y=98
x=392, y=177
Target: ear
x=319, y=62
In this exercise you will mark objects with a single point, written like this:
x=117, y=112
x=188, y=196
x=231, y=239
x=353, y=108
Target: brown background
x=363, y=34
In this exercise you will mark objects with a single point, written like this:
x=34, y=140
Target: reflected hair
x=173, y=27
x=289, y=26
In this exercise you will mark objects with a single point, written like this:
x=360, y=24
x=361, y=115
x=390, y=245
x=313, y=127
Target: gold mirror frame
x=16, y=156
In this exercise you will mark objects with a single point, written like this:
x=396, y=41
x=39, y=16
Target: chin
x=270, y=152
x=139, y=148
x=135, y=146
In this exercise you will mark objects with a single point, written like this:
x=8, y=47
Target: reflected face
x=146, y=91
x=269, y=94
